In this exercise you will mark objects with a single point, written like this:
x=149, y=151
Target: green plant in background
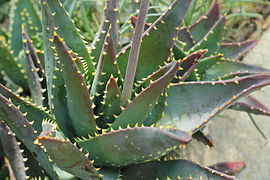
x=128, y=107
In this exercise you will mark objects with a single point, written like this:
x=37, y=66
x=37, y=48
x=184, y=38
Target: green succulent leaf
x=159, y=35
x=204, y=25
x=33, y=79
x=55, y=82
x=22, y=11
x=233, y=51
x=175, y=169
x=12, y=151
x=211, y=41
x=79, y=102
x=69, y=32
x=251, y=105
x=185, y=37
x=189, y=110
x=139, y=108
x=69, y=158
x=111, y=105
x=33, y=114
x=133, y=145
x=24, y=131
x=11, y=67
x=224, y=68
x=110, y=17
x=107, y=67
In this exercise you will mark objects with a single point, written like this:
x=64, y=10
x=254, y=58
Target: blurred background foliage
x=247, y=19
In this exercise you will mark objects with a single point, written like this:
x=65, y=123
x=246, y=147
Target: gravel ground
x=235, y=137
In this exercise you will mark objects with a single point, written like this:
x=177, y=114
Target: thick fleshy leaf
x=211, y=41
x=185, y=37
x=79, y=102
x=69, y=158
x=34, y=114
x=158, y=41
x=107, y=67
x=236, y=50
x=175, y=169
x=133, y=145
x=33, y=79
x=223, y=68
x=69, y=32
x=11, y=67
x=22, y=11
x=12, y=151
x=208, y=62
x=24, y=131
x=204, y=25
x=49, y=58
x=139, y=108
x=110, y=17
x=230, y=168
x=191, y=105
x=251, y=105
x=111, y=105
x=55, y=82
x=157, y=111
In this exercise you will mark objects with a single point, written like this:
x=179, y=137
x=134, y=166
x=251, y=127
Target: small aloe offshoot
x=109, y=111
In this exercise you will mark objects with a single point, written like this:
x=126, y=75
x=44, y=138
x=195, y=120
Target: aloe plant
x=104, y=111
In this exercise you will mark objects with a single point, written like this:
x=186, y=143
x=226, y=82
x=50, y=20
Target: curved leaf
x=191, y=105
x=133, y=145
x=175, y=169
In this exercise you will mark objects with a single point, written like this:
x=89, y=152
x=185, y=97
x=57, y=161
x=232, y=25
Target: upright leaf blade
x=138, y=109
x=68, y=31
x=79, y=102
x=159, y=35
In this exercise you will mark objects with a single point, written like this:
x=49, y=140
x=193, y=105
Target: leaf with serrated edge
x=33, y=113
x=68, y=31
x=12, y=151
x=230, y=168
x=133, y=145
x=157, y=41
x=251, y=105
x=24, y=131
x=79, y=102
x=191, y=105
x=201, y=27
x=33, y=79
x=211, y=40
x=236, y=50
x=112, y=101
x=110, y=17
x=224, y=68
x=69, y=158
x=12, y=67
x=140, y=107
x=22, y=11
x=174, y=169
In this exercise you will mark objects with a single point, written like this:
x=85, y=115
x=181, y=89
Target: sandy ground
x=235, y=137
